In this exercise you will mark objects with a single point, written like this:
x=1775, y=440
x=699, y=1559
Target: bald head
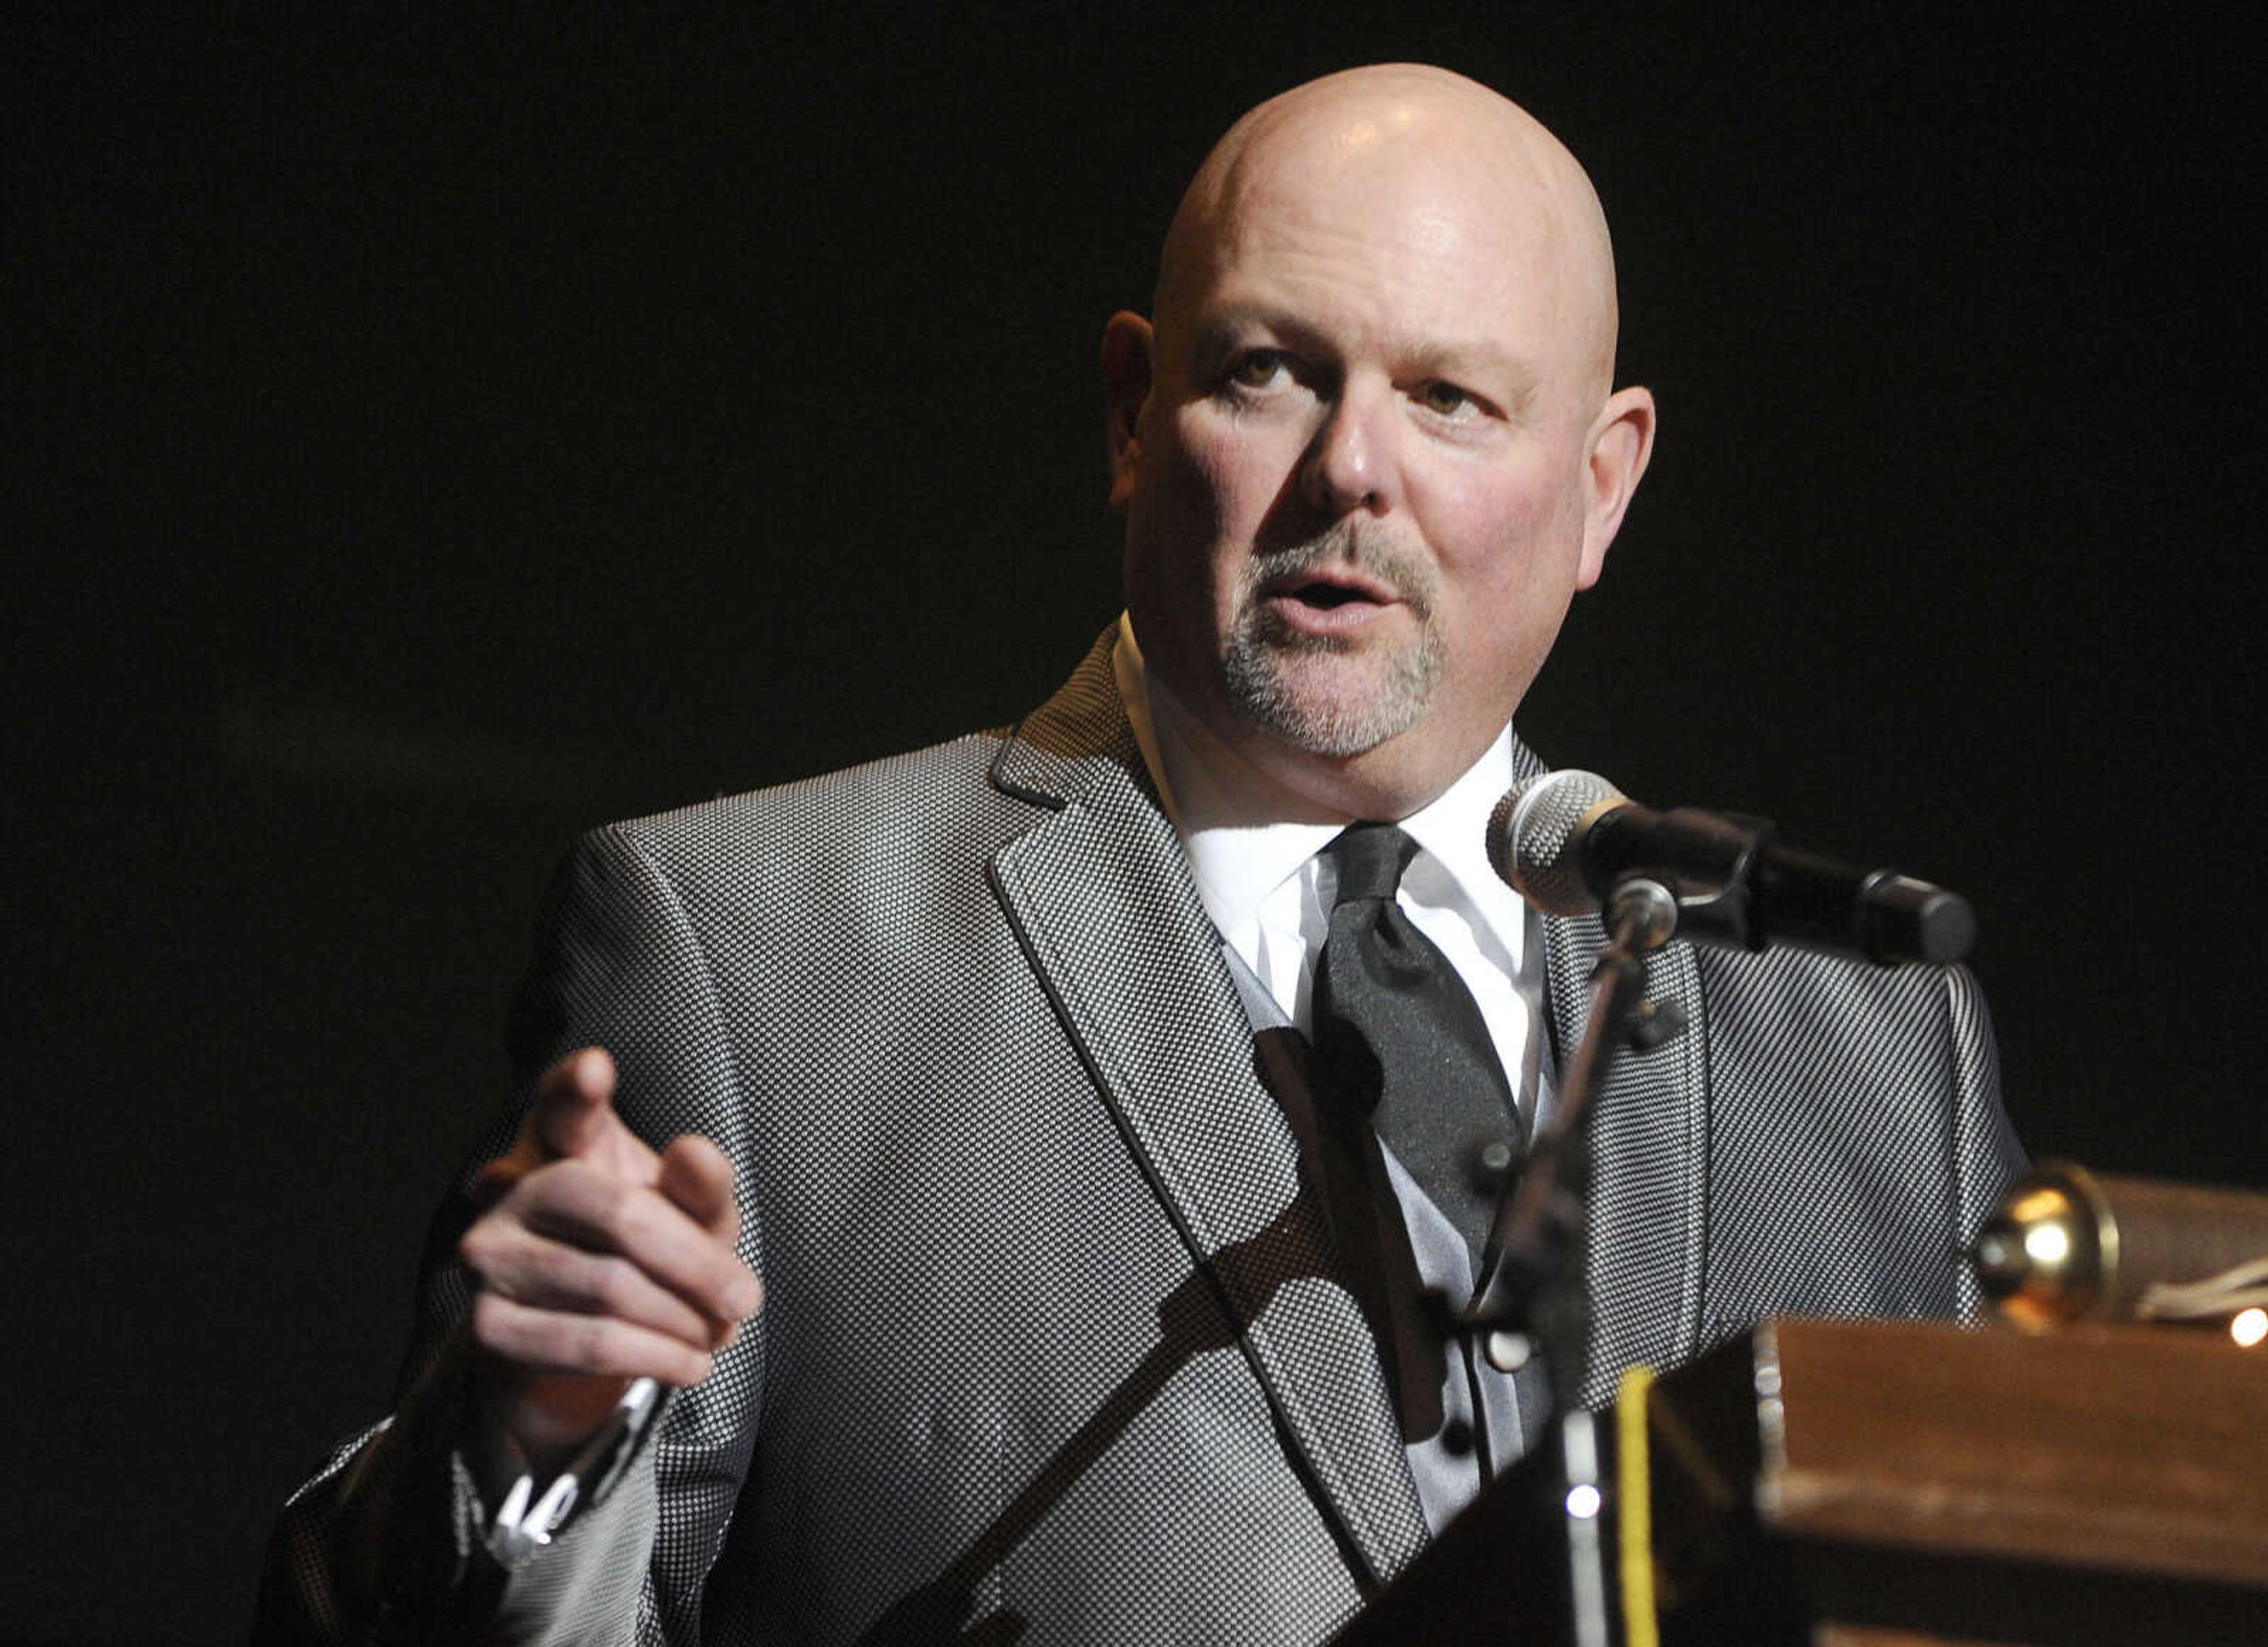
x=1369, y=449
x=1462, y=164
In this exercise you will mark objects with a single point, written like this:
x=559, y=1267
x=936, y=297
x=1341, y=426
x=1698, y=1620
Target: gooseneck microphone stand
x=1532, y=1299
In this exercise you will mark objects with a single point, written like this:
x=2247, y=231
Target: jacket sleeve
x=386, y=1543
x=1986, y=1156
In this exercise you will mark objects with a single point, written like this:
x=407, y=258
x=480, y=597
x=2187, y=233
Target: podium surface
x=1842, y=1482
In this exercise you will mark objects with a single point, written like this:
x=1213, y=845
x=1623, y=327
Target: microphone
x=1563, y=840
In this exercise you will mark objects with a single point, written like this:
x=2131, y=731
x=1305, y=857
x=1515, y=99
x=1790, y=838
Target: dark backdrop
x=439, y=436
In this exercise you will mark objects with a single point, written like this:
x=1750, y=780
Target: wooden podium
x=1882, y=1483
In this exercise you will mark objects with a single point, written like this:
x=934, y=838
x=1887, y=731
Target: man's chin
x=1328, y=704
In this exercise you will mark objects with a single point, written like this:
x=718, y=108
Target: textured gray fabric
x=1053, y=1341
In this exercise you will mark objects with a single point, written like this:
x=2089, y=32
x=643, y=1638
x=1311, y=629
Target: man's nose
x=1351, y=463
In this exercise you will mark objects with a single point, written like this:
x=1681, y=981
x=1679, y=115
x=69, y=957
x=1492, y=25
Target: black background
x=435, y=437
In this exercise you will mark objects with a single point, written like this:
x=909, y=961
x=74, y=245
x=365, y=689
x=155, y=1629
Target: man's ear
x=1621, y=444
x=1126, y=342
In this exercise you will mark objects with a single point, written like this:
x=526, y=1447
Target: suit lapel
x=1101, y=897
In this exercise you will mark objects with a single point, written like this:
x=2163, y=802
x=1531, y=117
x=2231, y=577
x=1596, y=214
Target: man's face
x=1358, y=492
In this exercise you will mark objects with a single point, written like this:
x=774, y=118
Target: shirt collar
x=1246, y=834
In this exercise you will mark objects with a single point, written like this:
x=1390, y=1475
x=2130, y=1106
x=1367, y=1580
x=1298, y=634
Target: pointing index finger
x=573, y=1116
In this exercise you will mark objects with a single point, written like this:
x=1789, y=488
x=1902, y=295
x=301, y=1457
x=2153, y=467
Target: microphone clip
x=1718, y=902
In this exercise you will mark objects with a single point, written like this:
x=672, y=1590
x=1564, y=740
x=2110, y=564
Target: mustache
x=1408, y=572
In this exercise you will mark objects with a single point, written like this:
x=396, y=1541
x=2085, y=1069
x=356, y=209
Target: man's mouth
x=1328, y=608
x=1328, y=592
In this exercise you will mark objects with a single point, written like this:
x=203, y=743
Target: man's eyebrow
x=1223, y=326
x=1479, y=363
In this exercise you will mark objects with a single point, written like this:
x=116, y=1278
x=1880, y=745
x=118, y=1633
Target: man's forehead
x=1417, y=158
x=1430, y=209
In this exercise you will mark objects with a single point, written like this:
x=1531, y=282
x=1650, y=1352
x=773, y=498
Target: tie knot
x=1370, y=858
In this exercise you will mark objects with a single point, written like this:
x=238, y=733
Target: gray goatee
x=1262, y=662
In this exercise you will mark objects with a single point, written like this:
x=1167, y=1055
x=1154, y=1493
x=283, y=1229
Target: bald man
x=992, y=1060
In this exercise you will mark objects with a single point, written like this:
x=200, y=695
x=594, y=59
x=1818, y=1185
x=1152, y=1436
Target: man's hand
x=599, y=1261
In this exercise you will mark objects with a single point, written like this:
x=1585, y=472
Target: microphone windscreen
x=1531, y=839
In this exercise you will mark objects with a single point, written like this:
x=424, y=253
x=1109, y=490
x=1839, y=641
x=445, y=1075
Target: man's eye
x=1447, y=400
x=1257, y=369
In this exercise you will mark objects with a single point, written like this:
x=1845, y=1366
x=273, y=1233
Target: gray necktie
x=1401, y=1040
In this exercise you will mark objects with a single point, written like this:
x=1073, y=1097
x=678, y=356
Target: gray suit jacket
x=1054, y=1349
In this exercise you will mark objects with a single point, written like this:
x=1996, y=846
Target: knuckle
x=493, y=1323
x=611, y=1201
x=478, y=1246
x=728, y=1278
x=630, y=1218
x=569, y=1177
x=592, y=1344
x=613, y=1286
x=569, y=1193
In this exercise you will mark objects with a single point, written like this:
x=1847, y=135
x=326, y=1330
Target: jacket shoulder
x=927, y=779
